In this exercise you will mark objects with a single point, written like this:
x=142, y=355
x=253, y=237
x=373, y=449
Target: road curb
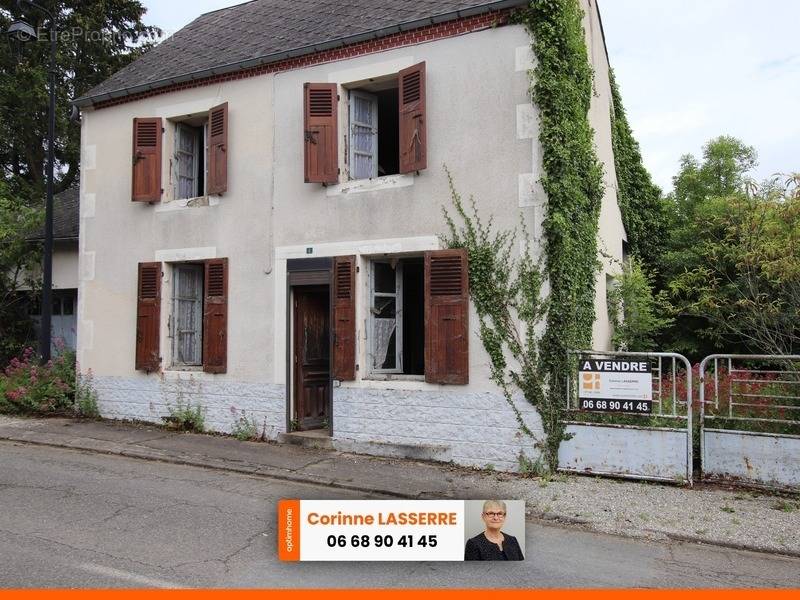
x=252, y=471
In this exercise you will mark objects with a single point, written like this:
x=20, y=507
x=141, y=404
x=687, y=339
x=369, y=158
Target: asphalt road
x=75, y=519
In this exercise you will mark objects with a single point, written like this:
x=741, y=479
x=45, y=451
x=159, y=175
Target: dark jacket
x=479, y=548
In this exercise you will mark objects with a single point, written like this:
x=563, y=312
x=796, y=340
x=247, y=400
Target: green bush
x=86, y=396
x=185, y=417
x=245, y=429
x=26, y=387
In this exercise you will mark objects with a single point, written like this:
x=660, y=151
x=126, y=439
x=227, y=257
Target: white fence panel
x=626, y=451
x=763, y=458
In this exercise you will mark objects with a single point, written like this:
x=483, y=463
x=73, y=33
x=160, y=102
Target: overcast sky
x=689, y=70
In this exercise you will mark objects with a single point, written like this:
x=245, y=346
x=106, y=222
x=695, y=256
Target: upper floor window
x=386, y=128
x=200, y=156
x=374, y=130
x=190, y=160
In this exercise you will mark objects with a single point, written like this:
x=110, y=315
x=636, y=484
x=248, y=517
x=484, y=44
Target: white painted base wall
x=478, y=428
x=762, y=458
x=471, y=429
x=148, y=398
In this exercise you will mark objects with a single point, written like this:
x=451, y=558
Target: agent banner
x=401, y=530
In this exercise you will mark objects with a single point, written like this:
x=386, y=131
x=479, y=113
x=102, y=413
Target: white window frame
x=173, y=321
x=198, y=158
x=398, y=304
x=352, y=123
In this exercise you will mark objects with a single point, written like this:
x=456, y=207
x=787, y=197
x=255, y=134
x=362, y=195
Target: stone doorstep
x=313, y=438
x=319, y=439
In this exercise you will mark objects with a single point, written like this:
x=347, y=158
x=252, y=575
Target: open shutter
x=148, y=317
x=215, y=317
x=320, y=133
x=413, y=137
x=218, y=149
x=446, y=317
x=344, y=318
x=147, y=160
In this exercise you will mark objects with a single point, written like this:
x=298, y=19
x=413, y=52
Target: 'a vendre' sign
x=615, y=385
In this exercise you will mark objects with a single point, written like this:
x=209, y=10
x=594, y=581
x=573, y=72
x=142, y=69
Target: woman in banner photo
x=493, y=544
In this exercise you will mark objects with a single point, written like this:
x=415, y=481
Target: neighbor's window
x=187, y=315
x=396, y=324
x=374, y=129
x=190, y=159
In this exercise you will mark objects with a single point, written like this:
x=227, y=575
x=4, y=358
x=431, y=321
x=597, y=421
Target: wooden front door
x=311, y=357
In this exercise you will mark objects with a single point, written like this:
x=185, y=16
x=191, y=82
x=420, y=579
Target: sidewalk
x=736, y=518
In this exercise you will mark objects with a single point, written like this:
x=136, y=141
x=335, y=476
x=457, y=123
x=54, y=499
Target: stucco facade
x=480, y=123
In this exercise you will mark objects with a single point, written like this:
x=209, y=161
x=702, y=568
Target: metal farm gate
x=750, y=418
x=634, y=439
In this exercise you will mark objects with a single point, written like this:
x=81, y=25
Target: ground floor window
x=396, y=324
x=187, y=315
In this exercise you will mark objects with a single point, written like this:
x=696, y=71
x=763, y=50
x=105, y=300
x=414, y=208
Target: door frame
x=301, y=272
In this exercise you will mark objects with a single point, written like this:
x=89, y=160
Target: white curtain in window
x=382, y=330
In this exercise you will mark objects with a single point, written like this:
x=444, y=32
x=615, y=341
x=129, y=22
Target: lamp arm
x=32, y=4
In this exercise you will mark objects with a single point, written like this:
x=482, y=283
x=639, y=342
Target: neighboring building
x=274, y=252
x=66, y=221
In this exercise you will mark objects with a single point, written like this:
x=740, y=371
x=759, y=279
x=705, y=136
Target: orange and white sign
x=377, y=530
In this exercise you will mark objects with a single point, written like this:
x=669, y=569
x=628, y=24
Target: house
x=261, y=215
x=64, y=319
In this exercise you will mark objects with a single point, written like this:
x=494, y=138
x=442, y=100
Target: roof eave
x=87, y=101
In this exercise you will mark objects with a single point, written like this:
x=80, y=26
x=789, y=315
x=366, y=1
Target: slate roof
x=264, y=31
x=66, y=215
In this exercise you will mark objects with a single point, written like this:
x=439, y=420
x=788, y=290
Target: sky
x=689, y=71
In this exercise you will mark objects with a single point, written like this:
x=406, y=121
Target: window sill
x=183, y=203
x=356, y=186
x=184, y=369
x=393, y=377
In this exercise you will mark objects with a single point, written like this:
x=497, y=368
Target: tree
x=636, y=313
x=701, y=190
x=95, y=40
x=17, y=262
x=747, y=285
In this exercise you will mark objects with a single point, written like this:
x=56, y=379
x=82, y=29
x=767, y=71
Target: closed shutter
x=320, y=133
x=215, y=317
x=147, y=160
x=148, y=317
x=446, y=317
x=218, y=149
x=344, y=318
x=413, y=136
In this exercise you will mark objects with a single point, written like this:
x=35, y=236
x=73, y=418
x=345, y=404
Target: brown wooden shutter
x=215, y=317
x=446, y=317
x=218, y=149
x=344, y=318
x=147, y=160
x=148, y=317
x=413, y=137
x=320, y=133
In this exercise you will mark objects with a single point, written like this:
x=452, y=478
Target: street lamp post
x=23, y=32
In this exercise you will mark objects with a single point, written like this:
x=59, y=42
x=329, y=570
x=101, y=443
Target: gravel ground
x=720, y=515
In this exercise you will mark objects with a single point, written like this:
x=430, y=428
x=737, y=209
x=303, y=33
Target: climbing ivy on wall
x=561, y=88
x=639, y=199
